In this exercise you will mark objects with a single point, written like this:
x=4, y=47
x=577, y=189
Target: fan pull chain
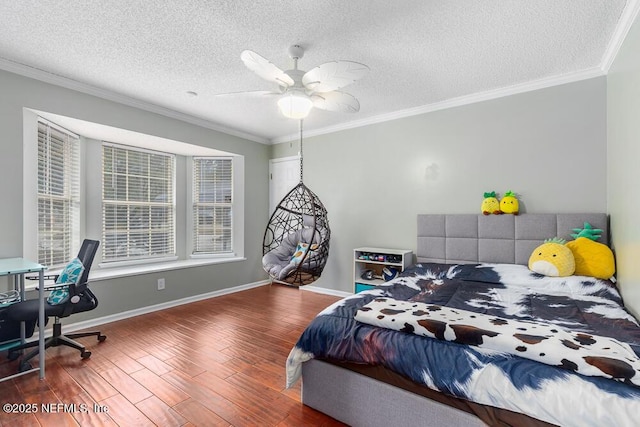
x=300, y=149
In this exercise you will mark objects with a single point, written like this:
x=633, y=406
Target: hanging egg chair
x=295, y=246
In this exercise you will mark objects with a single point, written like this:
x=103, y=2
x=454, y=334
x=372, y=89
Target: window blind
x=138, y=203
x=58, y=194
x=212, y=205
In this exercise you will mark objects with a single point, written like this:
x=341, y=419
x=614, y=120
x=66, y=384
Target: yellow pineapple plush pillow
x=509, y=203
x=592, y=258
x=490, y=204
x=552, y=258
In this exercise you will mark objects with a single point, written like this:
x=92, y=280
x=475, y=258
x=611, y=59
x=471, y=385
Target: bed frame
x=359, y=400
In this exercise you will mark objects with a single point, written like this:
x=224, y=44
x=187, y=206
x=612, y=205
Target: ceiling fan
x=300, y=91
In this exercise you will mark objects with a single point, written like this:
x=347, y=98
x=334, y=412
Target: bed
x=472, y=268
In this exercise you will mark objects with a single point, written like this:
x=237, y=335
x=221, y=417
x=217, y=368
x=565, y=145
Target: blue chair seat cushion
x=70, y=275
x=58, y=296
x=71, y=272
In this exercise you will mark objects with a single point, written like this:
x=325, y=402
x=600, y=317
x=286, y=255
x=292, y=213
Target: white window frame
x=237, y=210
x=199, y=204
x=68, y=181
x=91, y=137
x=170, y=254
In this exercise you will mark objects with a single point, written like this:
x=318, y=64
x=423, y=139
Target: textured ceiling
x=420, y=52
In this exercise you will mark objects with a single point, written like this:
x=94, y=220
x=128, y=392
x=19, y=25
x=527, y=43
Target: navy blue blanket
x=575, y=303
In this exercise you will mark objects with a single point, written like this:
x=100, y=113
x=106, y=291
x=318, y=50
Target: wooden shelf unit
x=376, y=259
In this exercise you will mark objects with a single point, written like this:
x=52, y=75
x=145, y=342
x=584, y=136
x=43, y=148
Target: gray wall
x=623, y=173
x=137, y=291
x=549, y=146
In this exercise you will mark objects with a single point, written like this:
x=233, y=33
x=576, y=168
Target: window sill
x=133, y=270
x=112, y=273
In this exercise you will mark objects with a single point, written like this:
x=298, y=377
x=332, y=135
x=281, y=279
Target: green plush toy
x=490, y=204
x=553, y=258
x=509, y=203
x=592, y=258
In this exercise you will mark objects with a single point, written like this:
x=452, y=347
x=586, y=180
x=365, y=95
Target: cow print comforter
x=590, y=354
x=582, y=307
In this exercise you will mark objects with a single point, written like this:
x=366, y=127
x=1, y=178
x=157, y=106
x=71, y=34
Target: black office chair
x=80, y=299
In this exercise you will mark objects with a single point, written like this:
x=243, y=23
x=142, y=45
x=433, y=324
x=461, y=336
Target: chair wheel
x=24, y=366
x=101, y=338
x=13, y=355
x=85, y=354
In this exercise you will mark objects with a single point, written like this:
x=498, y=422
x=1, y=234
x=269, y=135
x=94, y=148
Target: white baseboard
x=316, y=289
x=85, y=324
x=91, y=323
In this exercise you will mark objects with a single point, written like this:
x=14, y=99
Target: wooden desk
x=18, y=267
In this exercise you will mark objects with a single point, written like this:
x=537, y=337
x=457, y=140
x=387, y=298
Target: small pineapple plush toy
x=490, y=204
x=509, y=203
x=592, y=258
x=552, y=258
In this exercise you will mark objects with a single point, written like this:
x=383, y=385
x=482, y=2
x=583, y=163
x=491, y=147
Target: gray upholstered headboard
x=472, y=238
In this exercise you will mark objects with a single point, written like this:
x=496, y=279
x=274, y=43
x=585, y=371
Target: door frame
x=274, y=203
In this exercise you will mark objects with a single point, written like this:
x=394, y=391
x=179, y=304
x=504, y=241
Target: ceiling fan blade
x=252, y=93
x=265, y=69
x=340, y=102
x=333, y=75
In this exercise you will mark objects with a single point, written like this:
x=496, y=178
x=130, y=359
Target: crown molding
x=627, y=19
x=453, y=102
x=55, y=79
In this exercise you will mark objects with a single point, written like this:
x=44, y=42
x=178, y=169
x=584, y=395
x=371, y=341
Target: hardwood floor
x=217, y=362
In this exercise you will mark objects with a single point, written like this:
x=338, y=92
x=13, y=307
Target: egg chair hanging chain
x=300, y=127
x=295, y=245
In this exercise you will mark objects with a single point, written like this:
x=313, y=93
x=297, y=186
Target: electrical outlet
x=161, y=284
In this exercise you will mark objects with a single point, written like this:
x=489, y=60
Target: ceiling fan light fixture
x=295, y=104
